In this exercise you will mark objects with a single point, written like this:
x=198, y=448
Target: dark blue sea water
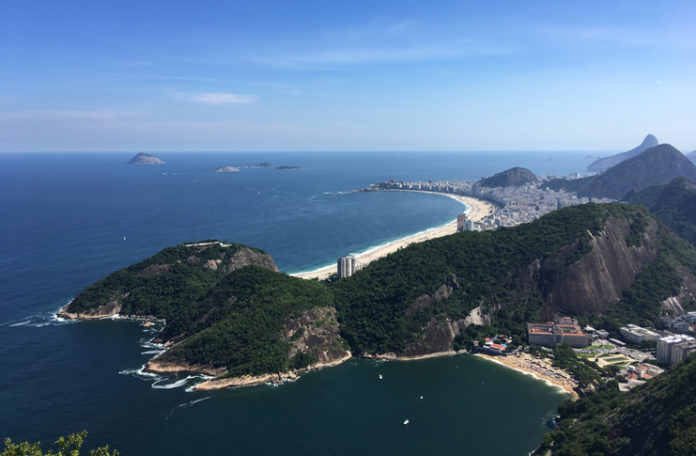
x=68, y=220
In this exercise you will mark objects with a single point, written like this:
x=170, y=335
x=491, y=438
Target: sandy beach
x=477, y=210
x=539, y=368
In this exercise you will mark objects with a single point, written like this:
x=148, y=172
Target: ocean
x=70, y=219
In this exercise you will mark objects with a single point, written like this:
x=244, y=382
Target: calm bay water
x=64, y=219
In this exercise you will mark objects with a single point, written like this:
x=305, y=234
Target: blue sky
x=325, y=75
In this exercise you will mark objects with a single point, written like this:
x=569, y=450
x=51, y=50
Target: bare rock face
x=438, y=337
x=598, y=278
x=246, y=256
x=426, y=300
x=315, y=332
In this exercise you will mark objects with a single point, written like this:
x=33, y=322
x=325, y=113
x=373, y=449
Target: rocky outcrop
x=436, y=338
x=598, y=279
x=245, y=256
x=315, y=333
x=425, y=301
x=108, y=309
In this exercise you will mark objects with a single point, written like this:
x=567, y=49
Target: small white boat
x=421, y=398
x=124, y=238
x=406, y=421
x=379, y=376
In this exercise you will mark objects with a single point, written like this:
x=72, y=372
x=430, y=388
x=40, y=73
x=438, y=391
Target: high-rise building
x=674, y=348
x=461, y=222
x=346, y=266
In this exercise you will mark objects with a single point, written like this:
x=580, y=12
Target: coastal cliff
x=230, y=315
x=162, y=284
x=612, y=263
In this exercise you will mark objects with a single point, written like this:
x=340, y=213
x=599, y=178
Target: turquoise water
x=64, y=219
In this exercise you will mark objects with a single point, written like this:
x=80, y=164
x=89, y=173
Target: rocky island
x=288, y=168
x=145, y=159
x=225, y=169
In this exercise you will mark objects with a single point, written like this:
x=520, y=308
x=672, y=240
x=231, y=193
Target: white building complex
x=675, y=348
x=636, y=335
x=346, y=266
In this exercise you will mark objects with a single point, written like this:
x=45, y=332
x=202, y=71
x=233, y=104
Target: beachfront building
x=560, y=331
x=674, y=348
x=346, y=266
x=636, y=335
x=461, y=222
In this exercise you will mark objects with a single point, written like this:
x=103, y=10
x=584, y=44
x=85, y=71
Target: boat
x=379, y=376
x=406, y=421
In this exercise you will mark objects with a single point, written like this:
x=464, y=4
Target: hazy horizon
x=360, y=76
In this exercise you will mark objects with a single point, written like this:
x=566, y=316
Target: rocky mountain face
x=656, y=166
x=602, y=164
x=579, y=261
x=598, y=278
x=513, y=177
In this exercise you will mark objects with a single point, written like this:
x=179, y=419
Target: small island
x=225, y=169
x=288, y=168
x=145, y=159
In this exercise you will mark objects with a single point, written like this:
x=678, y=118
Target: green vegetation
x=584, y=371
x=67, y=446
x=658, y=418
x=247, y=319
x=513, y=177
x=480, y=267
x=246, y=313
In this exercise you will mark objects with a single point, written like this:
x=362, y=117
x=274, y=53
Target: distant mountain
x=145, y=159
x=513, y=177
x=605, y=163
x=655, y=419
x=692, y=156
x=656, y=166
x=674, y=204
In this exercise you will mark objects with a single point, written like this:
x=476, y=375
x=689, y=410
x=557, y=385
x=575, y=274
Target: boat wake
x=185, y=405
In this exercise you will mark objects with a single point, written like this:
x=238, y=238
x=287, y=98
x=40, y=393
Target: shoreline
x=395, y=357
x=521, y=365
x=278, y=378
x=476, y=210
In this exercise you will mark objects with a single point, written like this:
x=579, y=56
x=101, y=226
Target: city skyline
x=361, y=76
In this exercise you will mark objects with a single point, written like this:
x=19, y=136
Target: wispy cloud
x=343, y=56
x=219, y=98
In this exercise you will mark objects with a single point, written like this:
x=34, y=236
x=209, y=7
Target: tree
x=67, y=446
